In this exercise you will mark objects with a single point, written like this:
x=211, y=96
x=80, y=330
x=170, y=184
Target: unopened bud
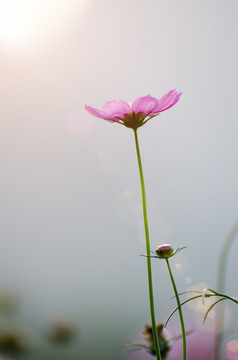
x=164, y=251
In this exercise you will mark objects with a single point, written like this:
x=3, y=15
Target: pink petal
x=144, y=104
x=167, y=98
x=164, y=100
x=167, y=101
x=116, y=109
x=96, y=113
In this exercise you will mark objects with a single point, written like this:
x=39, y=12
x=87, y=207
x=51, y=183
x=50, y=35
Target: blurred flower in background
x=9, y=301
x=16, y=340
x=200, y=346
x=19, y=341
x=61, y=332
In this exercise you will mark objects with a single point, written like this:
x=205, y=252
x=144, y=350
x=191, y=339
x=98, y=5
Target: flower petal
x=144, y=105
x=168, y=100
x=116, y=109
x=97, y=113
x=93, y=111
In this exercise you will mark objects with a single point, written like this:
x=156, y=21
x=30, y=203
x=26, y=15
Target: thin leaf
x=184, y=302
x=210, y=307
x=175, y=338
x=235, y=300
x=179, y=249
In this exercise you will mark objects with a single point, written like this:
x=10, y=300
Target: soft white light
x=14, y=28
x=22, y=21
x=232, y=350
x=188, y=280
x=178, y=266
x=101, y=154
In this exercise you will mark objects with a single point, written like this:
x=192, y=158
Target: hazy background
x=71, y=221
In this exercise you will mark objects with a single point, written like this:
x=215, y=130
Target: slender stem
x=149, y=272
x=223, y=257
x=221, y=285
x=179, y=309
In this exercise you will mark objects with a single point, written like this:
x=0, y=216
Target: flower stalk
x=222, y=267
x=179, y=309
x=134, y=116
x=147, y=238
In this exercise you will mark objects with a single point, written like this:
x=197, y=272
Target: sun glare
x=14, y=30
x=23, y=21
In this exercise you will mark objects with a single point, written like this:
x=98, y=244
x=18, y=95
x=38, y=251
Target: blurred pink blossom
x=200, y=346
x=142, y=109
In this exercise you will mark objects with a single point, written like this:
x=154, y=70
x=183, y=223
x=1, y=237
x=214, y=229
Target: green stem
x=149, y=272
x=179, y=309
x=221, y=285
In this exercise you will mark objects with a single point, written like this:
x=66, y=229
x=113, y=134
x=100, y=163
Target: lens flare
x=23, y=21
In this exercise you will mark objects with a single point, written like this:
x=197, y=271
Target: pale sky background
x=71, y=223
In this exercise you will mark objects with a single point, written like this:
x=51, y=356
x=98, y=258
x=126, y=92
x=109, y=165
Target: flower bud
x=163, y=341
x=164, y=251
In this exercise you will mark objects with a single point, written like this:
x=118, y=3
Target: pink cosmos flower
x=133, y=116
